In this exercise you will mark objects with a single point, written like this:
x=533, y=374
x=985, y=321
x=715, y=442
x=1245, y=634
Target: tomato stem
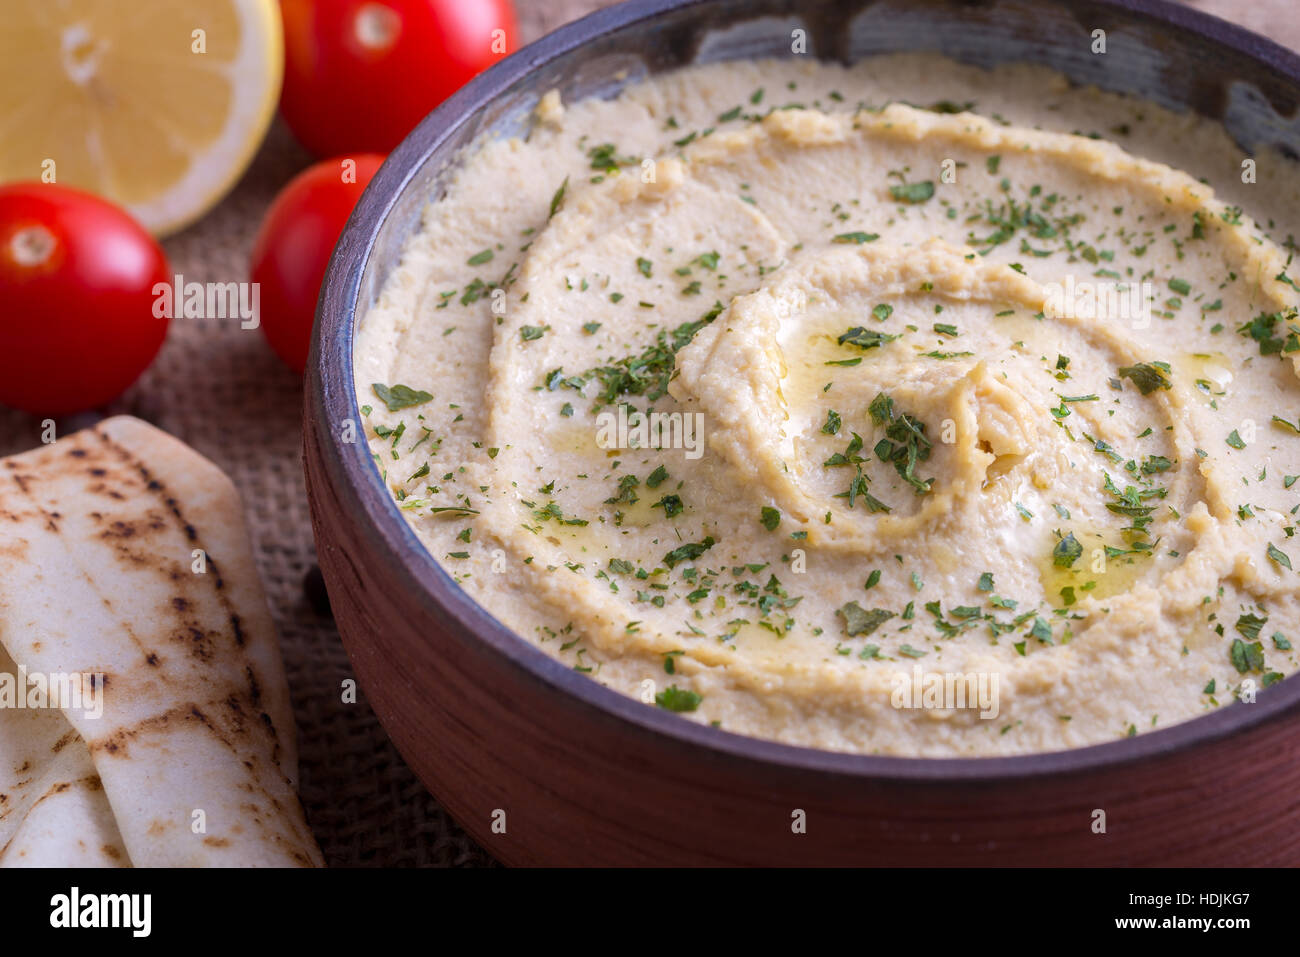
x=32, y=246
x=377, y=27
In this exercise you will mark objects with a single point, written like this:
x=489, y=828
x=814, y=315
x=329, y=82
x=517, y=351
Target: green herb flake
x=557, y=200
x=860, y=621
x=1249, y=625
x=1066, y=552
x=857, y=237
x=865, y=338
x=1280, y=557
x=677, y=699
x=912, y=192
x=400, y=396
x=688, y=552
x=1246, y=657
x=1148, y=376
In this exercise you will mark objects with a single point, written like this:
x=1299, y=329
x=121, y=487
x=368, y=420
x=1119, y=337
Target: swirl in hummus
x=764, y=396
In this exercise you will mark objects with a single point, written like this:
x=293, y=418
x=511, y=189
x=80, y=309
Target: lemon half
x=157, y=105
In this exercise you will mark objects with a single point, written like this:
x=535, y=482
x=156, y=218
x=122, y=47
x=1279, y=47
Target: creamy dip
x=907, y=408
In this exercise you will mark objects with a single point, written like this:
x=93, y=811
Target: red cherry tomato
x=360, y=74
x=293, y=248
x=78, y=322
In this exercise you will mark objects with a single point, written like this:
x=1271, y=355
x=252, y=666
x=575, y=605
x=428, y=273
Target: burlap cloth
x=220, y=389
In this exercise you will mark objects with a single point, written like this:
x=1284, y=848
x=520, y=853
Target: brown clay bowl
x=586, y=776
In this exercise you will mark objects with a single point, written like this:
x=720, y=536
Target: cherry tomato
x=78, y=322
x=360, y=74
x=293, y=248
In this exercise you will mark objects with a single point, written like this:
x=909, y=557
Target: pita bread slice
x=53, y=812
x=123, y=555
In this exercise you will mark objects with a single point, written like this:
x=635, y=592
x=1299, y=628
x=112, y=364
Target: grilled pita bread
x=53, y=810
x=123, y=555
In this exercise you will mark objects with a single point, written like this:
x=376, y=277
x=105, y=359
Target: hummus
x=907, y=408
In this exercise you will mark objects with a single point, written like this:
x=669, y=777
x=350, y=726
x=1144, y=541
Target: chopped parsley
x=865, y=338
x=688, y=552
x=857, y=237
x=1148, y=376
x=398, y=397
x=912, y=192
x=677, y=699
x=905, y=443
x=860, y=621
x=557, y=201
x=1066, y=552
x=1275, y=554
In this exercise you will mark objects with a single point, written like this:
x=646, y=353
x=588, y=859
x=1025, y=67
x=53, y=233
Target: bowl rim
x=359, y=487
